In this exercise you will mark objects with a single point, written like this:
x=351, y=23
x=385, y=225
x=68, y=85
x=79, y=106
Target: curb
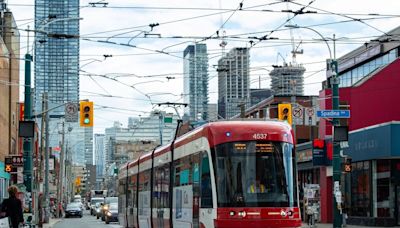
x=50, y=225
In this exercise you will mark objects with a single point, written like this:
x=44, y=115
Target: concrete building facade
x=233, y=82
x=9, y=92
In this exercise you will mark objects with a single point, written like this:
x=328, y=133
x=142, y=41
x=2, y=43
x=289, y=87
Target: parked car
x=73, y=209
x=93, y=202
x=112, y=213
x=107, y=202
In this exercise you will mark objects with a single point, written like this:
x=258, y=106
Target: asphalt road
x=87, y=221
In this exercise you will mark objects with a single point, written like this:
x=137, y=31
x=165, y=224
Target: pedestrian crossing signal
x=8, y=168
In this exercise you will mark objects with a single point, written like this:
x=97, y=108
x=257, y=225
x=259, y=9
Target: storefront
x=372, y=189
x=4, y=181
x=308, y=175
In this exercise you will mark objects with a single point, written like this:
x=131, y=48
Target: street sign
x=71, y=112
x=297, y=112
x=333, y=113
x=310, y=112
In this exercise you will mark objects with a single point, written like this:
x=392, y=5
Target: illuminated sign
x=264, y=148
x=8, y=168
x=260, y=147
x=240, y=146
x=16, y=161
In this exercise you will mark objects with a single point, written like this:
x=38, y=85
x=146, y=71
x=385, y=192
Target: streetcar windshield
x=255, y=174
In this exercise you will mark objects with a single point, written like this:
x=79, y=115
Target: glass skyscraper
x=56, y=62
x=195, y=80
x=56, y=53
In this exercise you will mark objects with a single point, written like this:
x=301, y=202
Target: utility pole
x=27, y=146
x=61, y=170
x=337, y=221
x=293, y=101
x=160, y=124
x=46, y=159
x=242, y=110
x=42, y=152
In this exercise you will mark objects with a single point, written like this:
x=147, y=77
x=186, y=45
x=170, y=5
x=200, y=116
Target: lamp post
x=337, y=216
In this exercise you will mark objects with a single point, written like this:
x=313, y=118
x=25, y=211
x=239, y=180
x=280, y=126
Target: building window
x=383, y=188
x=361, y=189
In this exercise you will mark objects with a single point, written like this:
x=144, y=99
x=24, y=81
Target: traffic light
x=347, y=165
x=86, y=114
x=78, y=181
x=285, y=113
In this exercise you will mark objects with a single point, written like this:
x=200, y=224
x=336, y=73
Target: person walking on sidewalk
x=13, y=208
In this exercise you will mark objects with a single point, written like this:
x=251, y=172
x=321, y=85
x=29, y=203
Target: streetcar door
x=206, y=202
x=131, y=209
x=161, y=197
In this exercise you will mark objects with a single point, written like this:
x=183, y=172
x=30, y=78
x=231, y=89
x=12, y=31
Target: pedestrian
x=13, y=208
x=60, y=210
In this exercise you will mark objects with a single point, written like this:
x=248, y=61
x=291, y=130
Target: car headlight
x=105, y=208
x=109, y=214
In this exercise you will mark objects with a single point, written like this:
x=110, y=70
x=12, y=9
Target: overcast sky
x=154, y=68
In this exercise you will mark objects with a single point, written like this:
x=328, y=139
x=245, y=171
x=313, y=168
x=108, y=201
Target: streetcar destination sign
x=333, y=113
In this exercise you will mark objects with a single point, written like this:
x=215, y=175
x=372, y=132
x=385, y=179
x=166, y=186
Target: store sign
x=304, y=156
x=11, y=163
x=319, y=157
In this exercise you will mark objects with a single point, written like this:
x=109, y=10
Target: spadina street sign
x=333, y=113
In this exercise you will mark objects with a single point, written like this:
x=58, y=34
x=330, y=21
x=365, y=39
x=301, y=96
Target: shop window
x=383, y=187
x=361, y=189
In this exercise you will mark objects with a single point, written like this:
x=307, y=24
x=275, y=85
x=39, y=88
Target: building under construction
x=288, y=79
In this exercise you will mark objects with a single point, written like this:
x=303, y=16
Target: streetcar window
x=206, y=190
x=255, y=174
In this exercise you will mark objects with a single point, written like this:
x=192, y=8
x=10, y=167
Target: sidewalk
x=52, y=222
x=329, y=225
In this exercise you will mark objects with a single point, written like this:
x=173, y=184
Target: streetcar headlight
x=232, y=213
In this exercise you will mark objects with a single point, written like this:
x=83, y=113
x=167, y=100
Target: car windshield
x=96, y=200
x=111, y=200
x=113, y=206
x=255, y=174
x=73, y=206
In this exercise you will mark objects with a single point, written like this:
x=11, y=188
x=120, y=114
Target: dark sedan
x=112, y=213
x=73, y=209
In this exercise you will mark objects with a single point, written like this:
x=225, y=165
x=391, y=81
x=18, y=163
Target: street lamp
x=337, y=216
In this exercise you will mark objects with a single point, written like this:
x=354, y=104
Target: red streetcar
x=224, y=174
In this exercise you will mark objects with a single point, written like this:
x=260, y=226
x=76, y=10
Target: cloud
x=152, y=62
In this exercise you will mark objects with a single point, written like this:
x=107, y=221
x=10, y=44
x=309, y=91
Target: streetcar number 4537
x=259, y=136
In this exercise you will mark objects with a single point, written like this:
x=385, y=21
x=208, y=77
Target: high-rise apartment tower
x=195, y=68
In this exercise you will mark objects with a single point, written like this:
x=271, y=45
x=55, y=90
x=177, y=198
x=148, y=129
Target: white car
x=79, y=202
